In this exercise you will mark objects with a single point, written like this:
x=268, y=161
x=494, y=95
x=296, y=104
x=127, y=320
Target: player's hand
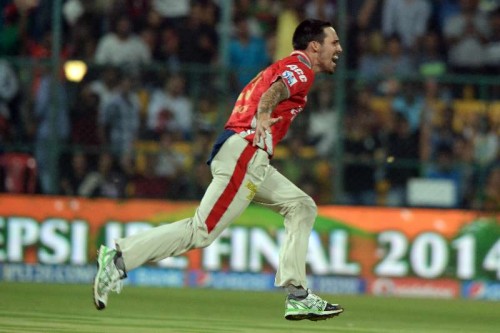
x=264, y=123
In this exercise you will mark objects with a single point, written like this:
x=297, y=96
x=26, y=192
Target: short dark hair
x=307, y=31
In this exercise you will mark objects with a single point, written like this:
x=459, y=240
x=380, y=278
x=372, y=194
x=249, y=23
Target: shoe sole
x=313, y=316
x=97, y=303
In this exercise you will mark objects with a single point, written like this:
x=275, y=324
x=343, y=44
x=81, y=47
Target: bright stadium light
x=75, y=70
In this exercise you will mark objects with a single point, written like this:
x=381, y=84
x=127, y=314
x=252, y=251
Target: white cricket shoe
x=311, y=307
x=108, y=277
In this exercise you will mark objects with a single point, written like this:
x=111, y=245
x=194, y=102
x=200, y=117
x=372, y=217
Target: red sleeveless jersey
x=296, y=73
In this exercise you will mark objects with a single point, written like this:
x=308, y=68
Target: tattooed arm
x=269, y=100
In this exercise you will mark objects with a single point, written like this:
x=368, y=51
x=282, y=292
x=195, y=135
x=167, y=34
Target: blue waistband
x=226, y=134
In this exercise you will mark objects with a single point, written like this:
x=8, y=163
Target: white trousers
x=241, y=174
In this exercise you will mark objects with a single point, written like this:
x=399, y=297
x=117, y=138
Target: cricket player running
x=241, y=172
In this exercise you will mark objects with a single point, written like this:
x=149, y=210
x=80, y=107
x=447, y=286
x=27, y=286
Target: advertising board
x=351, y=249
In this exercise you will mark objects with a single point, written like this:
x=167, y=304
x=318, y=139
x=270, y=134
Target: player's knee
x=202, y=242
x=309, y=208
x=305, y=209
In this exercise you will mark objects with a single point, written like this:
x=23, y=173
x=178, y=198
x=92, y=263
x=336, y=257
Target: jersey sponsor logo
x=287, y=75
x=300, y=72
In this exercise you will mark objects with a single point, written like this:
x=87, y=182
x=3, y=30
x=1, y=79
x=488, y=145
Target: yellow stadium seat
x=466, y=112
x=494, y=113
x=142, y=148
x=381, y=104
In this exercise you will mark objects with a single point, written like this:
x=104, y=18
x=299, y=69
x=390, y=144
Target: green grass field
x=69, y=308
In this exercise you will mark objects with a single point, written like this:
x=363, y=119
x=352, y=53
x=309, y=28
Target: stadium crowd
x=141, y=121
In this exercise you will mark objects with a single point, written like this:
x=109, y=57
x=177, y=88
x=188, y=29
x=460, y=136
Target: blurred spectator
x=84, y=118
x=407, y=19
x=170, y=109
x=153, y=20
x=436, y=119
x=13, y=30
x=168, y=49
x=360, y=149
x=136, y=10
x=254, y=12
x=402, y=152
x=322, y=191
x=463, y=151
x=122, y=46
x=10, y=118
x=170, y=166
x=51, y=112
x=363, y=19
x=206, y=117
x=465, y=33
x=169, y=162
x=247, y=54
x=82, y=41
x=365, y=14
x=321, y=10
x=492, y=47
x=105, y=84
x=4, y=125
x=211, y=12
x=119, y=121
x=441, y=133
x=22, y=5
x=489, y=198
x=309, y=184
x=445, y=167
x=198, y=40
x=107, y=181
x=431, y=60
x=150, y=37
x=437, y=92
x=370, y=48
x=42, y=48
x=72, y=10
x=105, y=12
x=41, y=19
x=148, y=184
x=323, y=120
x=18, y=173
x=245, y=9
x=486, y=143
x=287, y=19
x=410, y=103
x=294, y=167
x=201, y=175
x=443, y=9
x=395, y=61
x=73, y=176
x=174, y=11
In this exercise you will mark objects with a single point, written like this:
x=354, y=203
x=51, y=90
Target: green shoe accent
x=108, y=278
x=311, y=307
